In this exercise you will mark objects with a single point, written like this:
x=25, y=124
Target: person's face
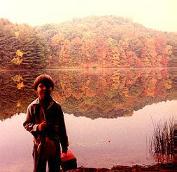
x=43, y=92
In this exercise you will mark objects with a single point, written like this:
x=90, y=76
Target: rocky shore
x=136, y=168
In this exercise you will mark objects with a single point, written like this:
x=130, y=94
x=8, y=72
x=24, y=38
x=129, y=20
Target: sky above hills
x=156, y=14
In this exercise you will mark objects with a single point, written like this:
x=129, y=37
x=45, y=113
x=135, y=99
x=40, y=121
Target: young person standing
x=45, y=121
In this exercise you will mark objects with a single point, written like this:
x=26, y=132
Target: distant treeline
x=89, y=42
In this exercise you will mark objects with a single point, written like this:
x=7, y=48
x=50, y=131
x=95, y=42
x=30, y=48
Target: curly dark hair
x=44, y=79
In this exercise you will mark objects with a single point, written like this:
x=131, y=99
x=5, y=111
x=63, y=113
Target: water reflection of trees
x=15, y=92
x=112, y=93
x=92, y=93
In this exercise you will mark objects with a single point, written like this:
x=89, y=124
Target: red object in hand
x=68, y=161
x=42, y=126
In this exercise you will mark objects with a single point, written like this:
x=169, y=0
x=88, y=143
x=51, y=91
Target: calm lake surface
x=109, y=114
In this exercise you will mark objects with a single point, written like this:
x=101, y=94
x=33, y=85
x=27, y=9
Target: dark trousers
x=42, y=155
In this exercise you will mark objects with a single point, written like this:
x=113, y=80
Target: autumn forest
x=107, y=56
x=96, y=42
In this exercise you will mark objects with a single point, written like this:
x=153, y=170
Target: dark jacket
x=53, y=115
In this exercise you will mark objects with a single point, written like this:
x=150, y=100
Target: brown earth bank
x=170, y=167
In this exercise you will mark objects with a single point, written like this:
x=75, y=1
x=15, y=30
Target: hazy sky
x=158, y=14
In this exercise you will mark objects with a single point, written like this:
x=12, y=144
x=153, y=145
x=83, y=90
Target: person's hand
x=28, y=127
x=42, y=126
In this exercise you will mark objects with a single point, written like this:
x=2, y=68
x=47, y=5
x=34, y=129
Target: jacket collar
x=37, y=101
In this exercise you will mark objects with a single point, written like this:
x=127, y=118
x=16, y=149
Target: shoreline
x=85, y=69
x=168, y=167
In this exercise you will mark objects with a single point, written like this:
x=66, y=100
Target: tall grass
x=162, y=142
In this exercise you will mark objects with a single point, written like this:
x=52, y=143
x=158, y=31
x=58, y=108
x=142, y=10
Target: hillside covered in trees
x=21, y=47
x=89, y=42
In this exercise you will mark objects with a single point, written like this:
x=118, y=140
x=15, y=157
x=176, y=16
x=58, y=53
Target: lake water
x=109, y=114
